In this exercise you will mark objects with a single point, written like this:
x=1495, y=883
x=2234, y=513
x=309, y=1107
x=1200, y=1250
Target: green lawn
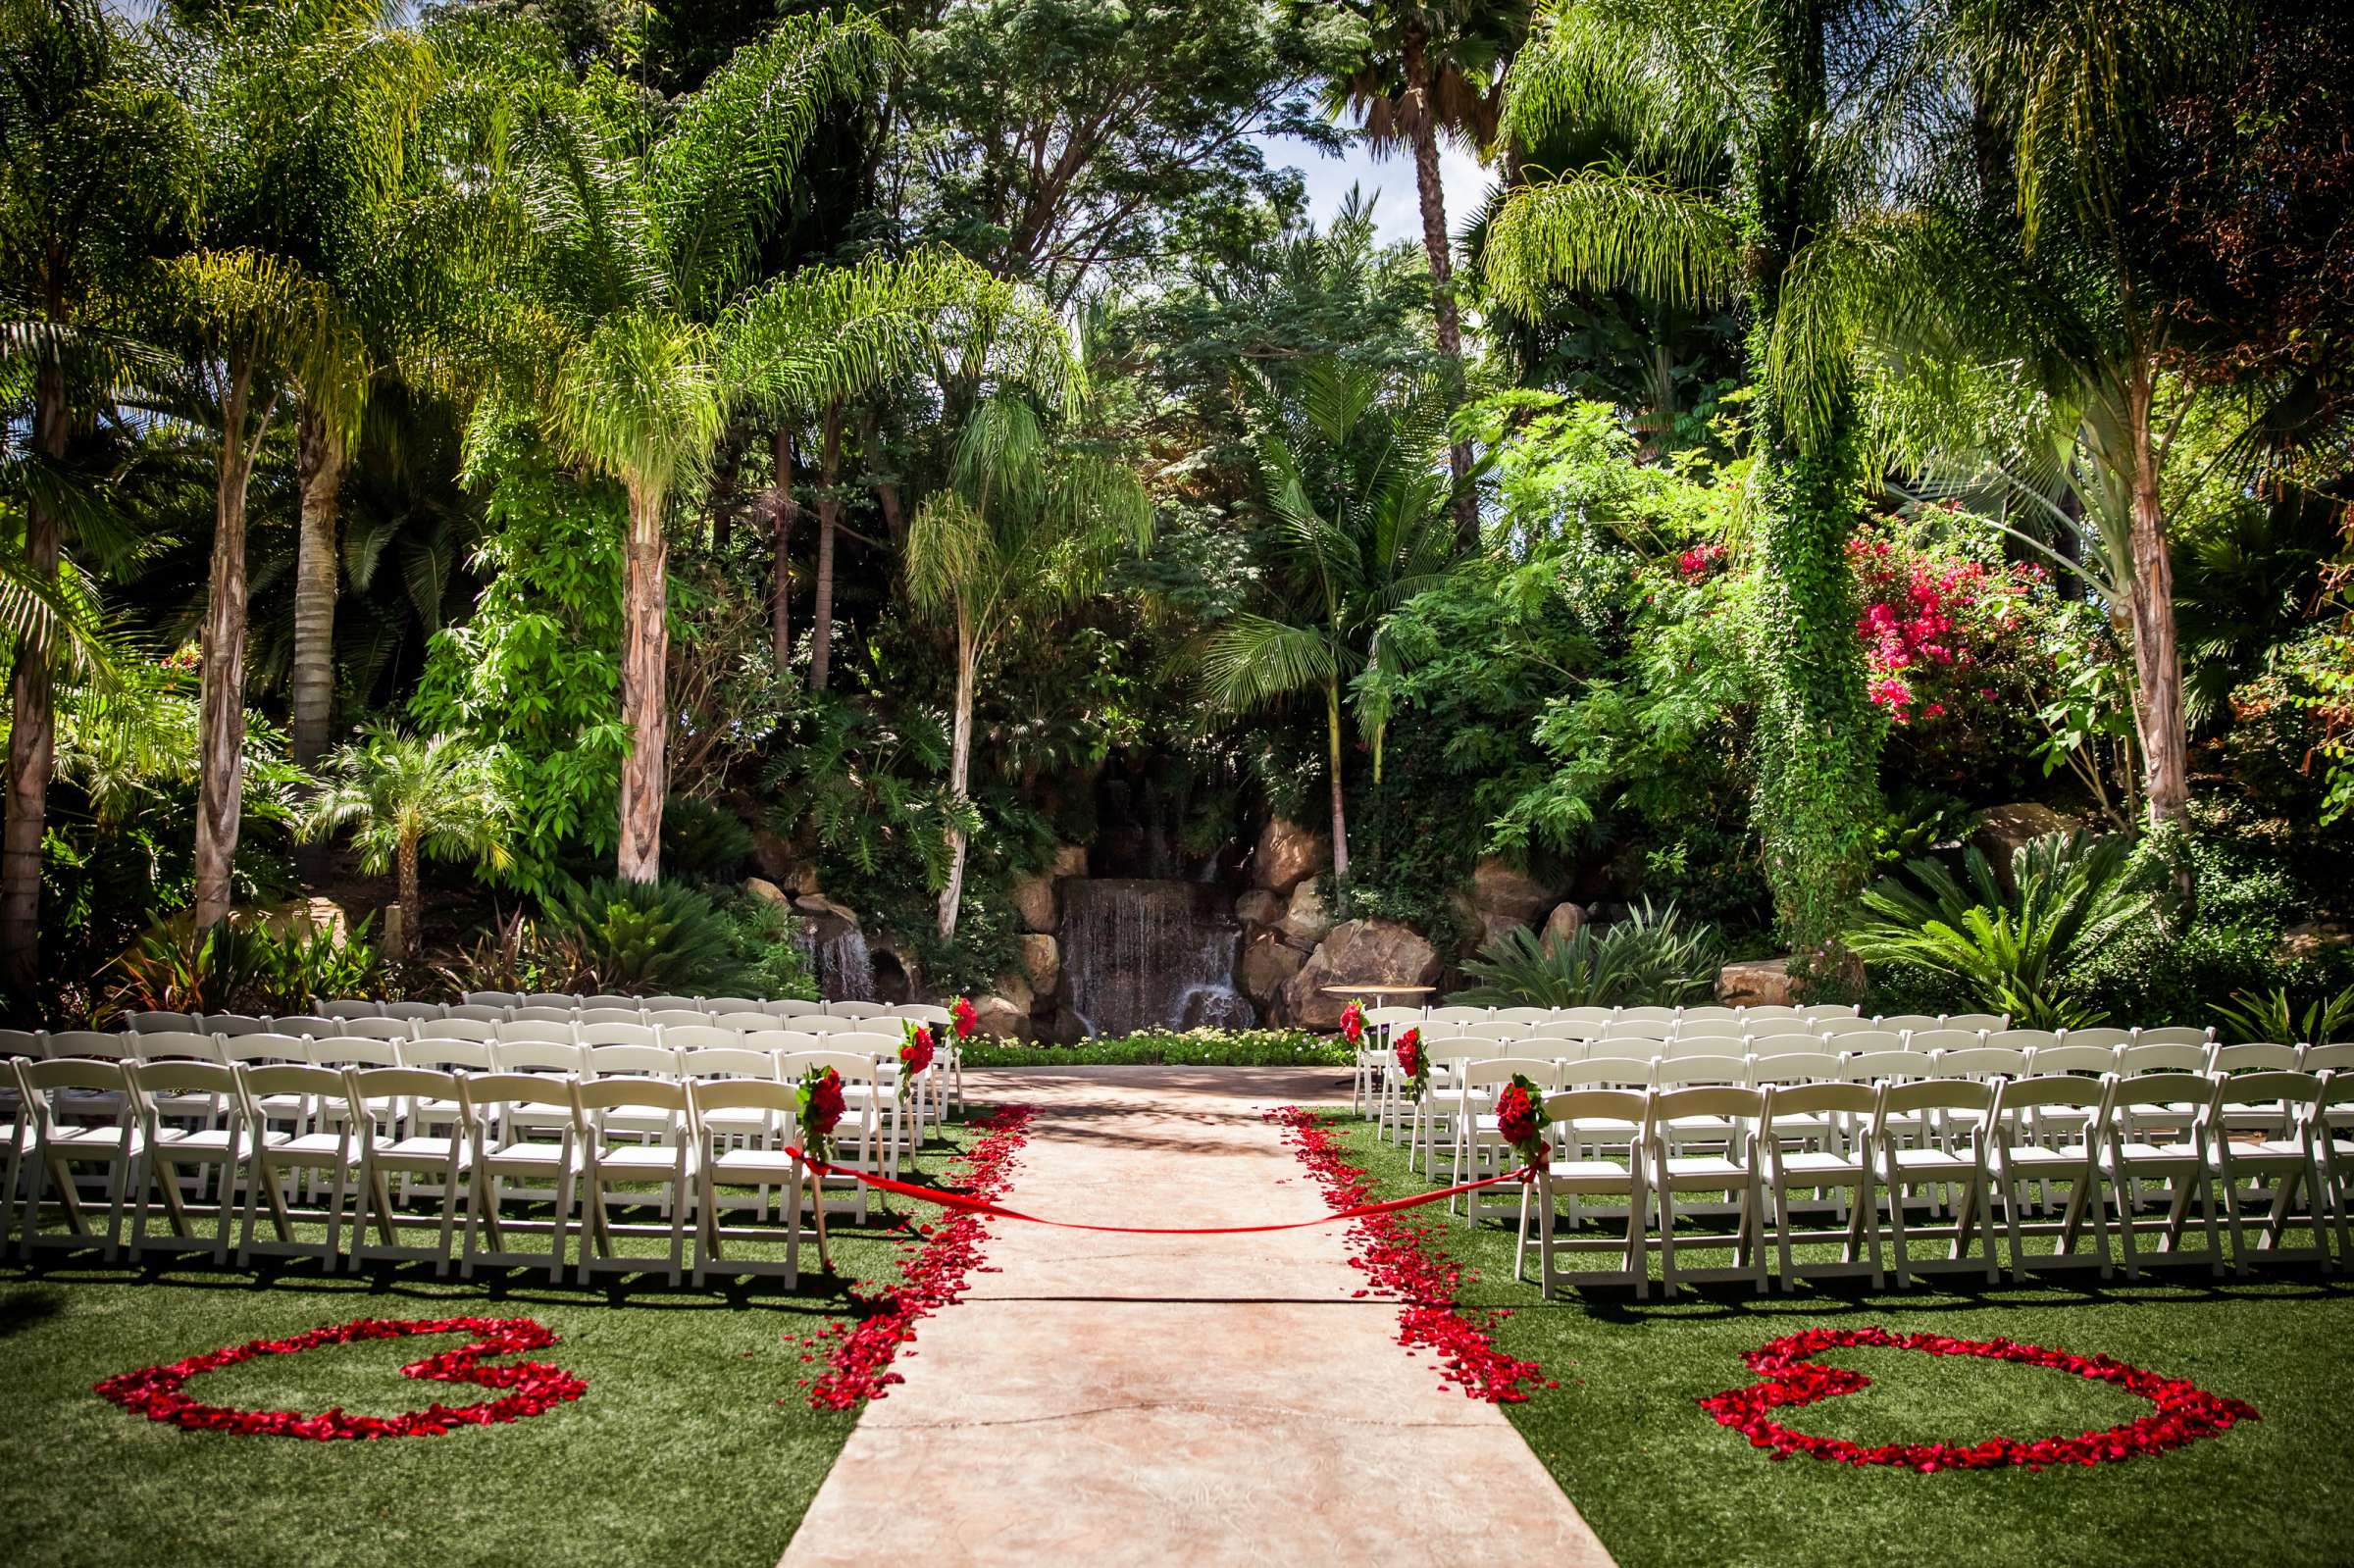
x=1662, y=1484
x=679, y=1451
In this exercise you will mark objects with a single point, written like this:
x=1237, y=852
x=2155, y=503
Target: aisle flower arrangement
x=1414, y=1063
x=821, y=1105
x=915, y=1055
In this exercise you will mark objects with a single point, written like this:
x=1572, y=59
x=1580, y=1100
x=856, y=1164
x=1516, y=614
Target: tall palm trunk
x=887, y=490
x=221, y=703
x=1423, y=123
x=1340, y=799
x=645, y=664
x=320, y=465
x=829, y=513
x=2156, y=660
x=412, y=902
x=787, y=512
x=33, y=727
x=960, y=753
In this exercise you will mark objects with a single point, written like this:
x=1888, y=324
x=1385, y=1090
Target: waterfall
x=839, y=957
x=1140, y=954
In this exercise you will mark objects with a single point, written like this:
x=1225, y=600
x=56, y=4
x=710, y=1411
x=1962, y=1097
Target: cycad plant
x=406, y=797
x=1650, y=959
x=636, y=938
x=1354, y=490
x=2011, y=949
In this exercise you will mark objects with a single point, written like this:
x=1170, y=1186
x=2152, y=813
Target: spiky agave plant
x=1649, y=958
x=2013, y=949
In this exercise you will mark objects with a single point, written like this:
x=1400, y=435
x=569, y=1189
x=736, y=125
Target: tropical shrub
x=633, y=937
x=296, y=963
x=406, y=798
x=2273, y=1016
x=1649, y=958
x=2009, y=949
x=701, y=838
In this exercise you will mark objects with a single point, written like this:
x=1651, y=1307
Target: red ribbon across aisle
x=973, y=1205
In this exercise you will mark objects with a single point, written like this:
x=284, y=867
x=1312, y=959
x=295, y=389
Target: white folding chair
x=392, y=1029
x=1798, y=1132
x=544, y=1013
x=156, y=1089
x=317, y=1146
x=719, y=1111
x=1979, y=1023
x=2137, y=1146
x=163, y=1023
x=1908, y=1022
x=309, y=1025
x=1731, y=1170
x=1458, y=1014
x=419, y=1012
x=2174, y=1035
x=2045, y=1130
x=742, y=1023
x=51, y=1093
x=669, y=1163
x=857, y=1136
x=379, y=1099
x=1580, y=1177
x=349, y=1008
x=474, y=1013
x=2335, y=1158
x=1826, y=1012
x=1903, y=1160
x=857, y=1009
x=794, y=1007
x=544, y=1146
x=701, y=1036
x=2286, y=1160
x=500, y=1001
x=609, y=1032
x=1479, y=1148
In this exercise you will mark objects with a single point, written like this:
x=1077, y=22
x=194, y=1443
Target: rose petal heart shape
x=1788, y=1378
x=527, y=1388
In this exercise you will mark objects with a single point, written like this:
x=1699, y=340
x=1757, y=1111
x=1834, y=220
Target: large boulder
x=1500, y=888
x=819, y=906
x=1287, y=855
x=1259, y=907
x=1041, y=959
x=2002, y=829
x=1266, y=965
x=768, y=892
x=1359, y=952
x=1034, y=903
x=1756, y=983
x=1565, y=921
x=1216, y=1008
x=1000, y=1015
x=1070, y=860
x=1306, y=921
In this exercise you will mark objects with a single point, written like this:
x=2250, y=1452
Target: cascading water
x=839, y=957
x=1142, y=954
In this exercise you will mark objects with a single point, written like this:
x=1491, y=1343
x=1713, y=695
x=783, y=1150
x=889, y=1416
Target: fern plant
x=1649, y=958
x=2011, y=950
x=2272, y=1016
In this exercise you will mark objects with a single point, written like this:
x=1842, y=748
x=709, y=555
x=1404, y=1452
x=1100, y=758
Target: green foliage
x=297, y=964
x=400, y=796
x=1649, y=958
x=635, y=938
x=2271, y=1017
x=772, y=963
x=2011, y=949
x=1218, y=1047
x=703, y=839
x=532, y=676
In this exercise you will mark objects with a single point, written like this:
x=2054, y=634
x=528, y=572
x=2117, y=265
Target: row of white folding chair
x=784, y=1007
x=596, y=1134
x=1763, y=1169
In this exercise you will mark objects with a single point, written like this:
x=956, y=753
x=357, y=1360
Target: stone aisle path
x=1113, y=1399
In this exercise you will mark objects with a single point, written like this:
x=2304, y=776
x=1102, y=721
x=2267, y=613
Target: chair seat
x=737, y=1123
x=95, y=1140
x=2270, y=1151
x=204, y=1142
x=1705, y=1167
x=436, y=1150
x=1590, y=1172
x=1912, y=1160
x=754, y=1164
x=2035, y=1157
x=320, y=1147
x=1822, y=1162
x=2188, y=1156
x=639, y=1157
x=535, y=1156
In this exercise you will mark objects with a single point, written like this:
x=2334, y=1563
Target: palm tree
x=1030, y=518
x=1431, y=69
x=641, y=250
x=1356, y=503
x=404, y=798
x=1802, y=111
x=86, y=188
x=281, y=97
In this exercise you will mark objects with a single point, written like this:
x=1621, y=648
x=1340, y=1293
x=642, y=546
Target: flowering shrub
x=1702, y=561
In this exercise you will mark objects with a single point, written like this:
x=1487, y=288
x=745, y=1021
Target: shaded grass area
x=1214, y=1047
x=1663, y=1484
x=693, y=1443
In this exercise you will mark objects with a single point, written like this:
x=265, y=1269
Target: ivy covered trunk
x=1432, y=195
x=220, y=702
x=319, y=478
x=1818, y=739
x=786, y=511
x=644, y=663
x=33, y=722
x=960, y=754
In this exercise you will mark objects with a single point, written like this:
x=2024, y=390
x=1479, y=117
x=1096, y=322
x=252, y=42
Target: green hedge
x=1219, y=1047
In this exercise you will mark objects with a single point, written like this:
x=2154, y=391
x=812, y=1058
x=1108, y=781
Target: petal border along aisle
x=859, y=1358
x=533, y=1386
x=1400, y=1262
x=1787, y=1377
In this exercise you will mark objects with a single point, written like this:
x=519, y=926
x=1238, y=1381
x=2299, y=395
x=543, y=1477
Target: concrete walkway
x=1114, y=1399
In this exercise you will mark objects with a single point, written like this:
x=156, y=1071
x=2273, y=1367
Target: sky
x=1395, y=214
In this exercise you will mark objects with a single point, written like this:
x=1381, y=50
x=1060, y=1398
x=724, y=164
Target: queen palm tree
x=87, y=190
x=1432, y=69
x=1800, y=91
x=406, y=797
x=1355, y=501
x=635, y=296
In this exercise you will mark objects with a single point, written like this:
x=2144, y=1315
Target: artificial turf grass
x=693, y=1443
x=1662, y=1482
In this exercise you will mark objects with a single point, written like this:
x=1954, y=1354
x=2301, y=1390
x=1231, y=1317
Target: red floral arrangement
x=915, y=1055
x=821, y=1108
x=1412, y=1061
x=529, y=1388
x=1520, y=1119
x=1398, y=1260
x=1353, y=1021
x=1787, y=1377
x=967, y=1017
x=858, y=1355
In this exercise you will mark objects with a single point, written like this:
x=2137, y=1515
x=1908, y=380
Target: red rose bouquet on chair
x=1521, y=1121
x=821, y=1104
x=967, y=1017
x=915, y=1055
x=1414, y=1063
x=1353, y=1021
